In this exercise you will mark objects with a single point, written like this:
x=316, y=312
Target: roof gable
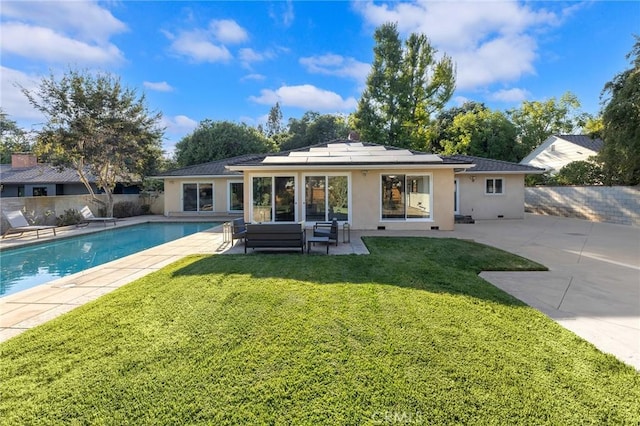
x=585, y=141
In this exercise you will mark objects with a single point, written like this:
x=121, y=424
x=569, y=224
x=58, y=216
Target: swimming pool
x=27, y=267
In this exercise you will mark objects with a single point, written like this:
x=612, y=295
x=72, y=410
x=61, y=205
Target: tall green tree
x=405, y=87
x=313, y=128
x=12, y=138
x=217, y=140
x=481, y=132
x=537, y=120
x=620, y=154
x=442, y=128
x=97, y=126
x=274, y=125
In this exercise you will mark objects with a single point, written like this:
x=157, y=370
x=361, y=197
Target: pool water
x=27, y=267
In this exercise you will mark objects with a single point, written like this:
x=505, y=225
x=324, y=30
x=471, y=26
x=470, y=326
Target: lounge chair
x=18, y=224
x=88, y=217
x=326, y=229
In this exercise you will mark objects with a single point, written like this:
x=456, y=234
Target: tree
x=482, y=133
x=274, y=124
x=620, y=154
x=405, y=87
x=313, y=128
x=216, y=140
x=536, y=120
x=98, y=127
x=12, y=138
x=580, y=173
x=441, y=128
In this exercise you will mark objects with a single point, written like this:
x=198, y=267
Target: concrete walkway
x=592, y=287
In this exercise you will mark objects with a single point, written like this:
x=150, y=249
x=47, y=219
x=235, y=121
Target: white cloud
x=331, y=64
x=198, y=46
x=255, y=77
x=489, y=41
x=514, y=95
x=228, y=31
x=161, y=86
x=248, y=56
x=284, y=15
x=85, y=20
x=307, y=97
x=13, y=101
x=61, y=32
x=45, y=44
x=179, y=124
x=208, y=45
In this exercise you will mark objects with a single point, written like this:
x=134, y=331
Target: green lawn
x=408, y=334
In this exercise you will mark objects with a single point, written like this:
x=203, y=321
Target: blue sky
x=235, y=60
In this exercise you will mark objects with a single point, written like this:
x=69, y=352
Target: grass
x=409, y=334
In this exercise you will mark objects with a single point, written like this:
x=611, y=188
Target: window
x=406, y=197
x=197, y=197
x=39, y=191
x=236, y=196
x=273, y=199
x=494, y=186
x=326, y=198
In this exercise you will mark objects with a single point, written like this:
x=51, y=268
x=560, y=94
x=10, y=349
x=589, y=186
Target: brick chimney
x=23, y=160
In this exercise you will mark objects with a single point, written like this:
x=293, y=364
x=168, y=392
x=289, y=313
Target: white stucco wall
x=476, y=203
x=173, y=196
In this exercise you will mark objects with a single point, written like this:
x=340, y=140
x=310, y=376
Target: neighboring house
x=25, y=177
x=366, y=185
x=491, y=189
x=559, y=150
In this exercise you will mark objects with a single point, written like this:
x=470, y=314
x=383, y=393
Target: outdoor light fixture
x=364, y=172
x=473, y=178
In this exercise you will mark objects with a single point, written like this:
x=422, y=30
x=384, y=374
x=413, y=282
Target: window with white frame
x=197, y=197
x=406, y=197
x=326, y=197
x=236, y=196
x=494, y=186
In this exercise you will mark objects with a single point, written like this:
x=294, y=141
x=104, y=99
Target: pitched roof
x=489, y=165
x=41, y=174
x=212, y=168
x=585, y=141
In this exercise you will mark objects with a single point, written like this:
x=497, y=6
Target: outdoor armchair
x=326, y=229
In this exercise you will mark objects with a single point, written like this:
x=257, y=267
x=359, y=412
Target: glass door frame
x=273, y=176
x=302, y=196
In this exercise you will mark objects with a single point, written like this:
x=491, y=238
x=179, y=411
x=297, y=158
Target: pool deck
x=592, y=287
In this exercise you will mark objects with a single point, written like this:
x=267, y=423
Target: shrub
x=69, y=217
x=126, y=209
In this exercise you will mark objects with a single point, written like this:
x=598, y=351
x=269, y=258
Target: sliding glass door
x=273, y=199
x=197, y=197
x=326, y=198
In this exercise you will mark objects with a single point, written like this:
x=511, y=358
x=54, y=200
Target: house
x=491, y=189
x=366, y=185
x=25, y=177
x=559, y=150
